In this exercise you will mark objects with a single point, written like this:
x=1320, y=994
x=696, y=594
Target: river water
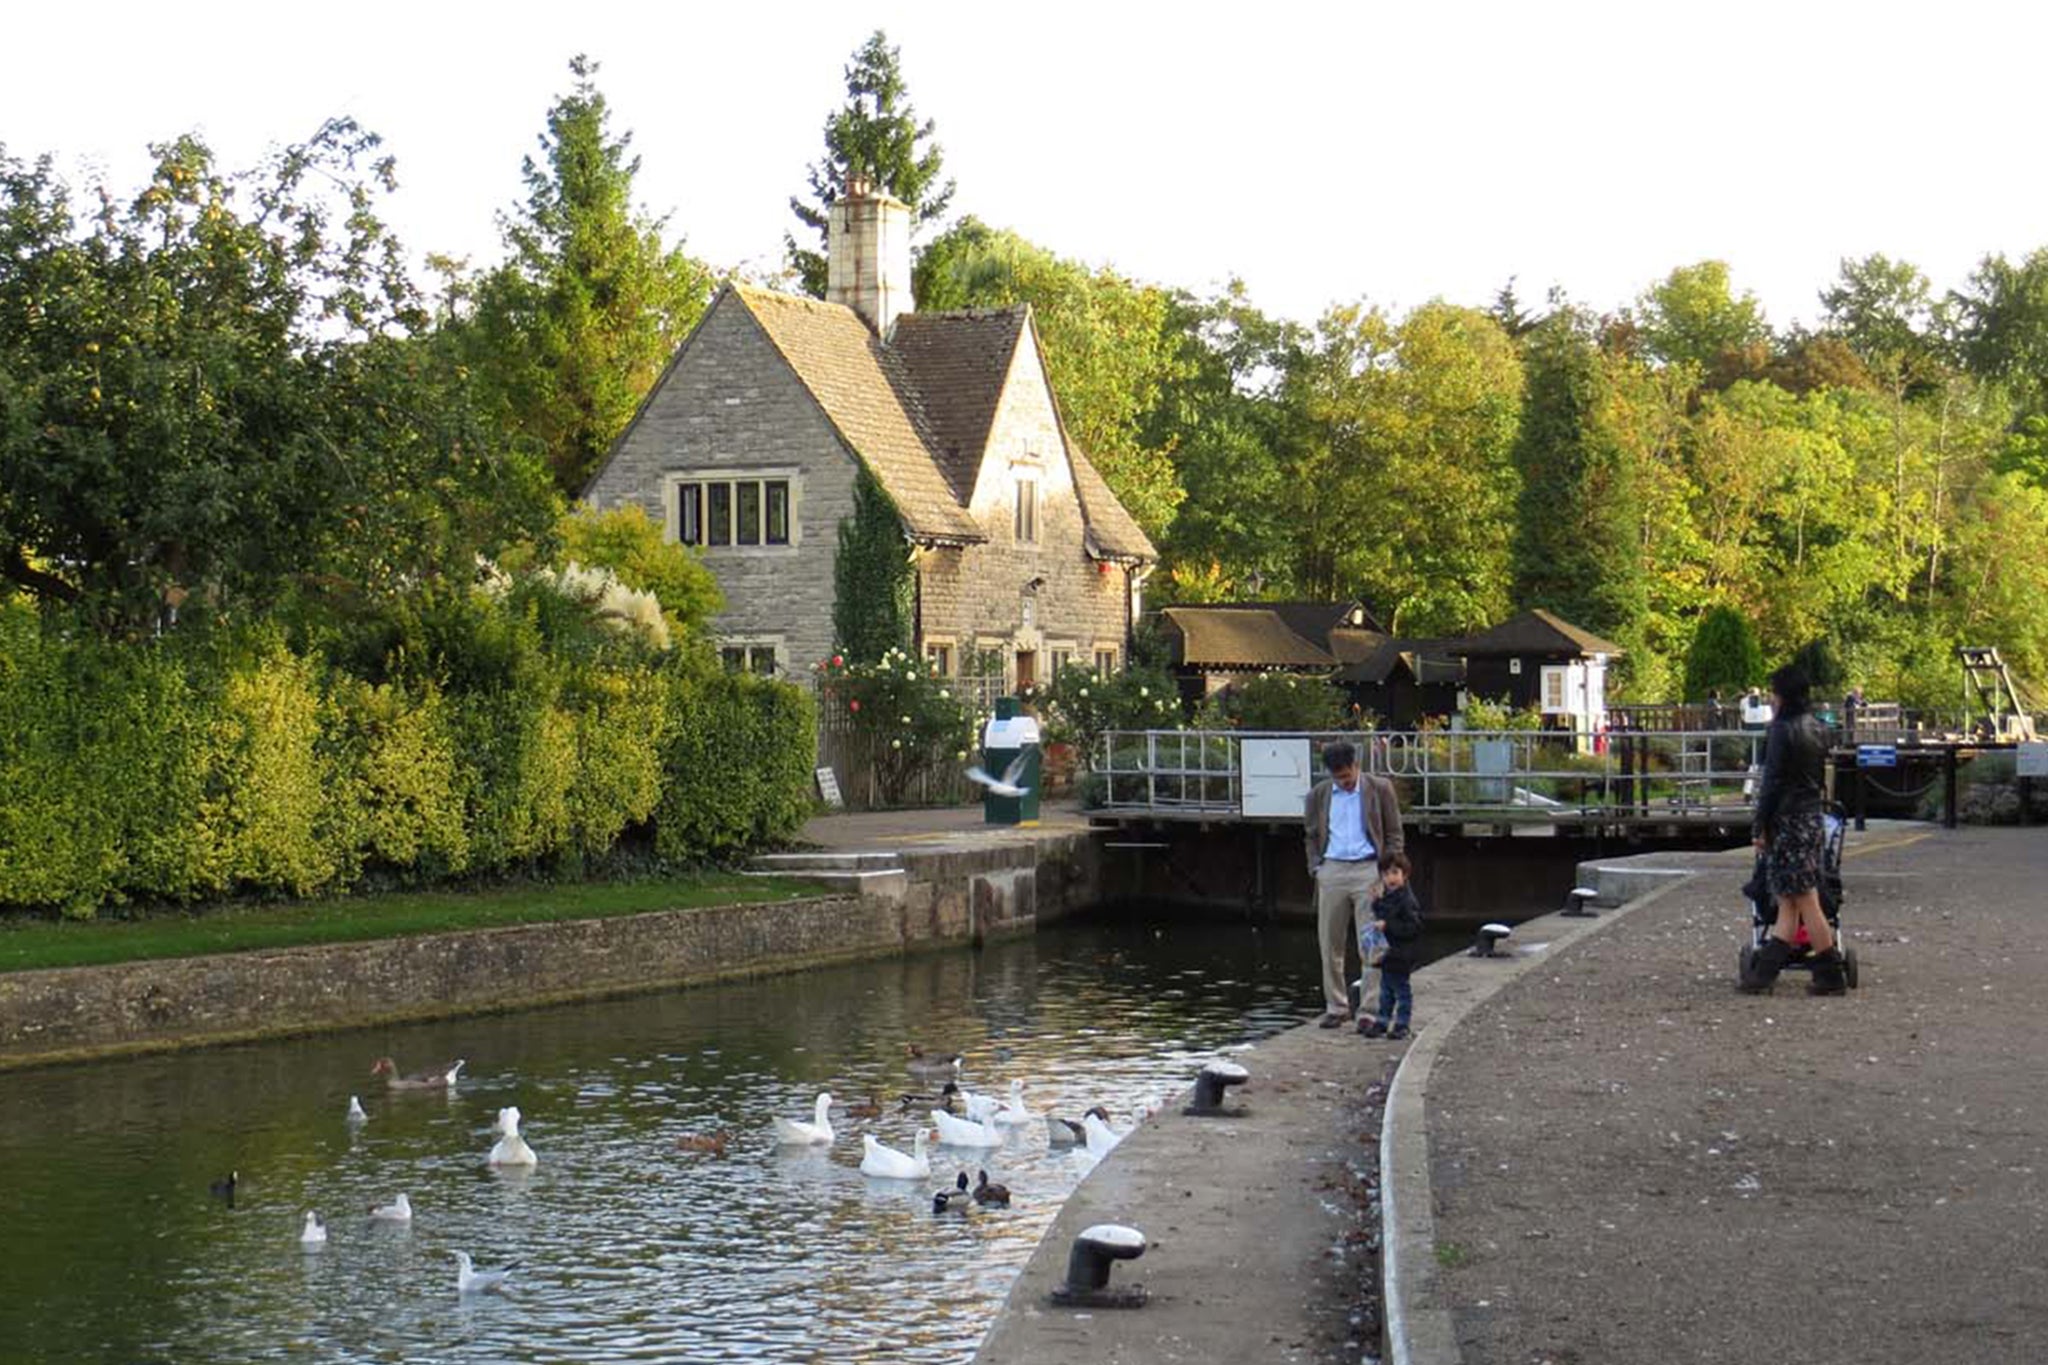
x=112, y=1248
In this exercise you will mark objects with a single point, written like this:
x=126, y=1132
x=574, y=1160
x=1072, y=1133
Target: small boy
x=1397, y=914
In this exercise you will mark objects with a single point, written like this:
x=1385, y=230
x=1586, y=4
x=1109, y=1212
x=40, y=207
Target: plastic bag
x=1372, y=944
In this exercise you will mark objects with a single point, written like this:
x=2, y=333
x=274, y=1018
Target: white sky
x=1393, y=151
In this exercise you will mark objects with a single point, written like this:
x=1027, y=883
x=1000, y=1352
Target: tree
x=1884, y=310
x=571, y=331
x=875, y=136
x=1724, y=656
x=2001, y=322
x=1109, y=347
x=1692, y=317
x=215, y=393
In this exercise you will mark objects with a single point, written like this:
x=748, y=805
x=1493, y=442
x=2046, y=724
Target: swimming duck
x=818, y=1132
x=714, y=1143
x=950, y=1201
x=947, y=1099
x=869, y=1108
x=1012, y=1113
x=440, y=1079
x=1061, y=1132
x=398, y=1210
x=927, y=1064
x=224, y=1188
x=986, y=1193
x=511, y=1149
x=314, y=1233
x=881, y=1160
x=965, y=1132
x=470, y=1280
x=355, y=1111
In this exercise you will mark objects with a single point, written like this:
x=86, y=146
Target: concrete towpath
x=1629, y=1161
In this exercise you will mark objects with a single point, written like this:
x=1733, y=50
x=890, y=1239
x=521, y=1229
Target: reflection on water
x=112, y=1249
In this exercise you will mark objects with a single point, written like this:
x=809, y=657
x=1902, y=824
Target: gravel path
x=1633, y=1162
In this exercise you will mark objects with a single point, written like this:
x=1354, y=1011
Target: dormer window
x=1027, y=510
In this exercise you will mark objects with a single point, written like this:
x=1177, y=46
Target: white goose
x=797, y=1133
x=881, y=1160
x=398, y=1210
x=470, y=1280
x=314, y=1234
x=1013, y=1113
x=956, y=1132
x=1101, y=1141
x=511, y=1149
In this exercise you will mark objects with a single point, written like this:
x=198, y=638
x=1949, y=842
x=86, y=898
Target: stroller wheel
x=1849, y=967
x=1742, y=961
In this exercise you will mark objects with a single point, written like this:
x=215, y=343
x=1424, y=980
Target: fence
x=936, y=778
x=1498, y=775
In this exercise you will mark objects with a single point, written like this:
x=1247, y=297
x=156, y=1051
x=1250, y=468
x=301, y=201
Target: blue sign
x=1877, y=756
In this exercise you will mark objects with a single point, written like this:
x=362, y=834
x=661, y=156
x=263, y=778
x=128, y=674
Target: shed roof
x=1533, y=632
x=1241, y=637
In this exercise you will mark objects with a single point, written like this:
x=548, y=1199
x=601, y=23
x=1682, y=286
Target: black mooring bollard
x=1088, y=1265
x=1578, y=903
x=1489, y=936
x=1210, y=1083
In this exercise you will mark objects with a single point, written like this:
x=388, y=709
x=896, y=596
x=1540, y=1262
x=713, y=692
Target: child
x=1397, y=914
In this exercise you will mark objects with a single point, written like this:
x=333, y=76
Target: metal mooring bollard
x=1088, y=1265
x=1210, y=1083
x=1489, y=935
x=1578, y=903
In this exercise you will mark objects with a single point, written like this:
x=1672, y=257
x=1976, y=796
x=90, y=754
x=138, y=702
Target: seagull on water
x=314, y=1234
x=398, y=1210
x=470, y=1280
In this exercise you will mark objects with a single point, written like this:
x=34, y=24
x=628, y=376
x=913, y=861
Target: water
x=112, y=1249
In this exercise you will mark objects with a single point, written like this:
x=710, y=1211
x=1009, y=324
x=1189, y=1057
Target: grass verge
x=27, y=943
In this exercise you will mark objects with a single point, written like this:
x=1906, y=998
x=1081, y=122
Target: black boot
x=1828, y=976
x=1765, y=964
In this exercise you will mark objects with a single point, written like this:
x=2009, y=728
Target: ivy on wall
x=873, y=581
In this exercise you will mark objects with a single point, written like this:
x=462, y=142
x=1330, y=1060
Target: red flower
x=853, y=705
x=838, y=662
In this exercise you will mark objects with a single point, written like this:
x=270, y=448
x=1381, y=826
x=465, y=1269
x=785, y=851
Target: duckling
x=713, y=1143
x=440, y=1078
x=986, y=1193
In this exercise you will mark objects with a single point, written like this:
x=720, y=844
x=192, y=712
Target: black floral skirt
x=1792, y=861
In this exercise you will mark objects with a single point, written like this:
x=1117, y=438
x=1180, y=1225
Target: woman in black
x=1789, y=833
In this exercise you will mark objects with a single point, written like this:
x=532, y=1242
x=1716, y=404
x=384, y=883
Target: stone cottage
x=749, y=446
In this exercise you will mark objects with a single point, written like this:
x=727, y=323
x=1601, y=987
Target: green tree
x=574, y=328
x=214, y=394
x=875, y=135
x=1885, y=311
x=2001, y=326
x=1724, y=657
x=1692, y=317
x=1110, y=349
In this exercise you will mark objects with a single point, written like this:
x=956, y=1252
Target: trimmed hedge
x=178, y=770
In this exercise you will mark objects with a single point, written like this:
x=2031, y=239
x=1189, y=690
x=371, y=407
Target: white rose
x=1084, y=692
x=906, y=720
x=945, y=695
x=1144, y=691
x=895, y=743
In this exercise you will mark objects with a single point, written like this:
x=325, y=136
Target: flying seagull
x=1006, y=785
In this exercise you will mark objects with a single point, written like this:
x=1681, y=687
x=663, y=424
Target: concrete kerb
x=1418, y=1331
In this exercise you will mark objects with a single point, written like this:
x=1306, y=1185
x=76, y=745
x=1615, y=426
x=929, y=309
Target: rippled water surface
x=112, y=1249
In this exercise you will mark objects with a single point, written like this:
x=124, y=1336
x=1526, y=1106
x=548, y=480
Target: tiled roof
x=1241, y=637
x=1427, y=661
x=1114, y=532
x=1533, y=632
x=867, y=395
x=958, y=362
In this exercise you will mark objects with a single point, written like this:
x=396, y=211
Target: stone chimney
x=867, y=254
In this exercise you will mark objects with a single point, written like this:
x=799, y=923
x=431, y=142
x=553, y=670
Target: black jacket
x=1795, y=766
x=1403, y=916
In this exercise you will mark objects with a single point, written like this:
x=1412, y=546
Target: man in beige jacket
x=1350, y=822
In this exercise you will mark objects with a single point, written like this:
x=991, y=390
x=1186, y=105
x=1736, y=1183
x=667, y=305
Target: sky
x=1393, y=152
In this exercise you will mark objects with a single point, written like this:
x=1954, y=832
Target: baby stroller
x=1763, y=911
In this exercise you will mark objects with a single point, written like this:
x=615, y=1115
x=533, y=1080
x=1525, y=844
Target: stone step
x=808, y=864
x=882, y=883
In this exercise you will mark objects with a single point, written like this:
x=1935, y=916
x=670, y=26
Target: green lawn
x=27, y=943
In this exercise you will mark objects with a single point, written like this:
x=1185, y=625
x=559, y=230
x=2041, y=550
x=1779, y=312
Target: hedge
x=178, y=770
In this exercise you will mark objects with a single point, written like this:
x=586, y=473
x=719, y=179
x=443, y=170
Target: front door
x=1027, y=668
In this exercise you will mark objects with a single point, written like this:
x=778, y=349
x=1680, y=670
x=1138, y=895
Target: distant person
x=1349, y=822
x=1397, y=914
x=1789, y=833
x=1851, y=704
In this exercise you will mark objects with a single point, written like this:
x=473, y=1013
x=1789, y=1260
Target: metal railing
x=1498, y=776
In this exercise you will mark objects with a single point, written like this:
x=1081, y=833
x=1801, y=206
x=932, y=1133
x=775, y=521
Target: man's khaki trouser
x=1344, y=896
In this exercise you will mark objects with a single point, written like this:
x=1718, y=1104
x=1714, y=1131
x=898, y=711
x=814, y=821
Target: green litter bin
x=1011, y=741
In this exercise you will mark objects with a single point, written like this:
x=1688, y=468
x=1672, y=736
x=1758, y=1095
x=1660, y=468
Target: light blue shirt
x=1348, y=840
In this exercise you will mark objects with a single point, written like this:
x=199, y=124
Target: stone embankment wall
x=953, y=897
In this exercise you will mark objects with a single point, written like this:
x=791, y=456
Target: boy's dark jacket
x=1403, y=916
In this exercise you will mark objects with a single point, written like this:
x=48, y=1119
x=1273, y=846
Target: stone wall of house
x=731, y=402
x=977, y=594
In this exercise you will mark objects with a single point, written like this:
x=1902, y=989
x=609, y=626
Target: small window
x=734, y=657
x=721, y=514
x=1105, y=661
x=1027, y=512
x=1061, y=658
x=777, y=492
x=940, y=658
x=762, y=657
x=690, y=513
